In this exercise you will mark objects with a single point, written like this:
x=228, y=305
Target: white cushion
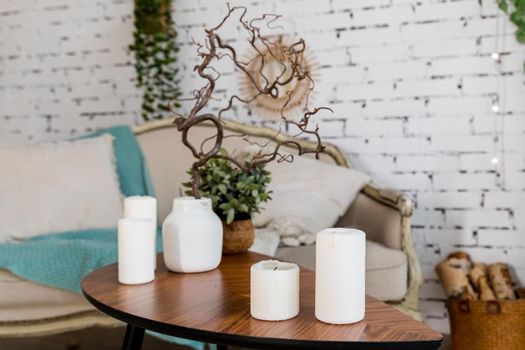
x=56, y=187
x=308, y=196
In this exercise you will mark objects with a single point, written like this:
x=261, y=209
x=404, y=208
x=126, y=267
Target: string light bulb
x=495, y=108
x=495, y=56
x=494, y=160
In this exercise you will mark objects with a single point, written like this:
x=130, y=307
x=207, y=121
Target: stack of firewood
x=463, y=279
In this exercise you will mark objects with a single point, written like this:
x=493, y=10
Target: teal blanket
x=61, y=260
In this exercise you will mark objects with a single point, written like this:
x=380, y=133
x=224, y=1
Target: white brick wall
x=64, y=68
x=411, y=83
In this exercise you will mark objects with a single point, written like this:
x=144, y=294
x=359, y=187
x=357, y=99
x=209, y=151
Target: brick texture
x=411, y=82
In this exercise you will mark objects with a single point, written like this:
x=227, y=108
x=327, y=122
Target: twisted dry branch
x=292, y=67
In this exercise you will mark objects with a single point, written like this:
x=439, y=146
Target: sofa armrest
x=390, y=197
x=404, y=206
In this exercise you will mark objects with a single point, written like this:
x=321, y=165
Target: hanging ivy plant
x=516, y=10
x=155, y=56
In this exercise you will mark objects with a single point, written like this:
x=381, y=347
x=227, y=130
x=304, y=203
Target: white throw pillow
x=308, y=196
x=56, y=187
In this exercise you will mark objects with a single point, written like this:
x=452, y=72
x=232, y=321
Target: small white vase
x=192, y=236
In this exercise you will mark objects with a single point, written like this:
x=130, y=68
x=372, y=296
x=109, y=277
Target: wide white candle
x=340, y=275
x=135, y=256
x=144, y=207
x=274, y=290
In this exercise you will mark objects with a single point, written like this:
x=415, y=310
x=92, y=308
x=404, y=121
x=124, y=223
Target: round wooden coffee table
x=214, y=307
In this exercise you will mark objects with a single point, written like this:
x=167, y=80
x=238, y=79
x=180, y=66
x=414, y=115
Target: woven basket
x=487, y=325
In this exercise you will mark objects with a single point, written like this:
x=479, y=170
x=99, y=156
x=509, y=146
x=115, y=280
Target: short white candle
x=135, y=258
x=144, y=207
x=274, y=290
x=340, y=275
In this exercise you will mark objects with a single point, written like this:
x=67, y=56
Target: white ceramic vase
x=192, y=236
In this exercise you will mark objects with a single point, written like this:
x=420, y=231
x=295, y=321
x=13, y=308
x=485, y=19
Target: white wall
x=411, y=82
x=64, y=67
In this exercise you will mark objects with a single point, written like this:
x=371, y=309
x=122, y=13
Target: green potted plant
x=236, y=194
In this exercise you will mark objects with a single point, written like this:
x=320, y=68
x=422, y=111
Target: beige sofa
x=393, y=272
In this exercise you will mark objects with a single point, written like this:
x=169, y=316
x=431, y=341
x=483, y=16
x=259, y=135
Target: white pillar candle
x=144, y=207
x=135, y=262
x=274, y=290
x=340, y=275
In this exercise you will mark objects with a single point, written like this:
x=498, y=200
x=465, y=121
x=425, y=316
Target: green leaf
x=517, y=18
x=520, y=35
x=222, y=188
x=224, y=206
x=230, y=216
x=503, y=5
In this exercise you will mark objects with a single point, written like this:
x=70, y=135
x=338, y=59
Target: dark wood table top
x=214, y=307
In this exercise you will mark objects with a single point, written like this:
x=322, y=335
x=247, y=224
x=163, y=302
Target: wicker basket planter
x=238, y=236
x=487, y=325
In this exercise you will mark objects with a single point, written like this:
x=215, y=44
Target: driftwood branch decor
x=215, y=48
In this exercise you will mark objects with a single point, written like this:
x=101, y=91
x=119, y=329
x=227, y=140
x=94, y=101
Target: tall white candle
x=340, y=275
x=144, y=207
x=135, y=262
x=274, y=290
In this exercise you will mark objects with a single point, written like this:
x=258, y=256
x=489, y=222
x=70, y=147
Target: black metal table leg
x=133, y=338
x=222, y=347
